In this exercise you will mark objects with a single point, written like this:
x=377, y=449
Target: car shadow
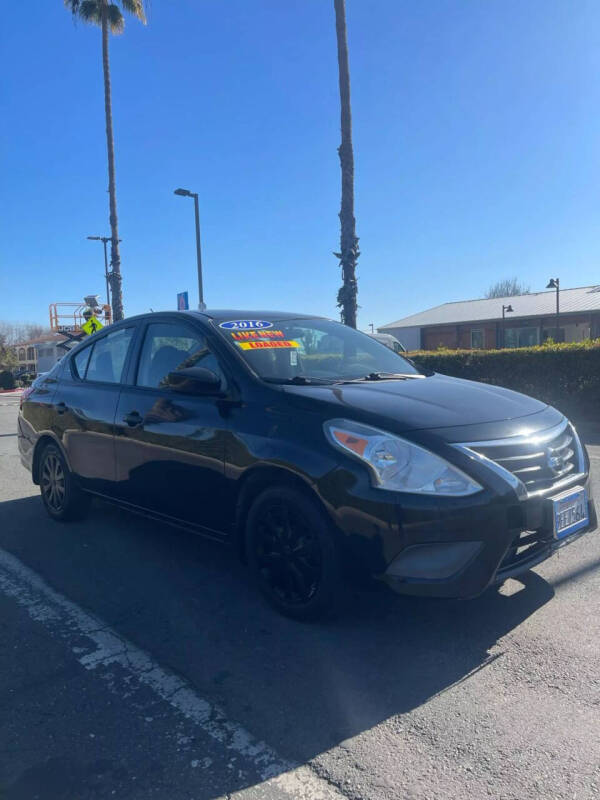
x=589, y=433
x=301, y=688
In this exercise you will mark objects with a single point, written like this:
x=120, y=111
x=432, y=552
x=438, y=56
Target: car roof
x=220, y=314
x=223, y=314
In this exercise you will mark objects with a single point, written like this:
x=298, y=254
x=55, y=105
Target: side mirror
x=195, y=380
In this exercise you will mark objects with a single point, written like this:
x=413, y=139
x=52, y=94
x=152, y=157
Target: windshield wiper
x=383, y=376
x=299, y=380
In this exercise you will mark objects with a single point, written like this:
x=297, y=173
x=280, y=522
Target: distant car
x=389, y=341
x=320, y=454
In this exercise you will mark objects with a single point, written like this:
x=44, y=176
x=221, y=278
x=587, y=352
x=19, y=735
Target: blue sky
x=477, y=146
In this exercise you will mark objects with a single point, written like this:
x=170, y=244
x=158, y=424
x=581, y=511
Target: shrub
x=7, y=380
x=564, y=375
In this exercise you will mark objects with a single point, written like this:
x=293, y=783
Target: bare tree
x=349, y=251
x=508, y=287
x=7, y=354
x=15, y=332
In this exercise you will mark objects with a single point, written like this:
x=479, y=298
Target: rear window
x=79, y=362
x=108, y=357
x=104, y=360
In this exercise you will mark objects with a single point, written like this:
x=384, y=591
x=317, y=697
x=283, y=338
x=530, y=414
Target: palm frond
x=115, y=18
x=89, y=11
x=135, y=8
x=72, y=5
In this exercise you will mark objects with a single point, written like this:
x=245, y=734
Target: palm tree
x=349, y=251
x=109, y=17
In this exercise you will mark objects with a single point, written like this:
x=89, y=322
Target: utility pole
x=105, y=240
x=187, y=193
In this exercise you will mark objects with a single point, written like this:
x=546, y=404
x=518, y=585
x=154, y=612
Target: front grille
x=539, y=461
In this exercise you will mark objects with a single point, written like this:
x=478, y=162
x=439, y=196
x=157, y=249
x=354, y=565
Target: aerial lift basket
x=68, y=318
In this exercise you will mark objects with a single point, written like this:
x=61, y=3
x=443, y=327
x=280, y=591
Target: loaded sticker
x=245, y=324
x=269, y=344
x=244, y=335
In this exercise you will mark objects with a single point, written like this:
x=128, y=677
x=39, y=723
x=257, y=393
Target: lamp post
x=505, y=310
x=371, y=326
x=187, y=193
x=554, y=283
x=104, y=240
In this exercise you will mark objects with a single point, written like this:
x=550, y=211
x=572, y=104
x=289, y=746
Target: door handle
x=61, y=408
x=133, y=419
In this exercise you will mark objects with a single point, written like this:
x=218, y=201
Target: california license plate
x=570, y=512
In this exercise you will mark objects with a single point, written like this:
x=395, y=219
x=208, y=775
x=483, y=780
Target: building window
x=31, y=354
x=477, y=342
x=521, y=337
x=22, y=354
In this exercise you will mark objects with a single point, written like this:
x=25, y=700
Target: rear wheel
x=292, y=554
x=62, y=498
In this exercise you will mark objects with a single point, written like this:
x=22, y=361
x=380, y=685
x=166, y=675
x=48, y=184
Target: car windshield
x=312, y=351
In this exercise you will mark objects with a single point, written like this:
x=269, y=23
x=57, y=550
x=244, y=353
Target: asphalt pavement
x=136, y=661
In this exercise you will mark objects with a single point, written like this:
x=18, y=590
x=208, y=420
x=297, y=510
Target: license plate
x=570, y=512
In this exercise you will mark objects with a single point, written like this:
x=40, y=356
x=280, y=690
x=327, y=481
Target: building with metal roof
x=518, y=321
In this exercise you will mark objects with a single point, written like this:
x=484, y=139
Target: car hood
x=430, y=403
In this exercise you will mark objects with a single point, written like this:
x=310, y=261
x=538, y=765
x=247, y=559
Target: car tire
x=292, y=555
x=63, y=499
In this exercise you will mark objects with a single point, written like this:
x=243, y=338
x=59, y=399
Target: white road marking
x=66, y=620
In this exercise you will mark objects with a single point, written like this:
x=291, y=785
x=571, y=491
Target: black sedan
x=319, y=453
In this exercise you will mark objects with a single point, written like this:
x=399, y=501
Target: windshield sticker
x=244, y=335
x=261, y=345
x=245, y=324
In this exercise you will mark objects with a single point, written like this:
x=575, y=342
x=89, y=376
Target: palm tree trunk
x=115, y=257
x=349, y=251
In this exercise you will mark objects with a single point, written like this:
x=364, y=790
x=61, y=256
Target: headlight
x=397, y=464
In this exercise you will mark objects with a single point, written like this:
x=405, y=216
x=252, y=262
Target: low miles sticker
x=270, y=345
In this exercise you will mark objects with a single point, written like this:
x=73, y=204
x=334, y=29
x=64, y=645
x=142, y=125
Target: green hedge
x=564, y=375
x=7, y=380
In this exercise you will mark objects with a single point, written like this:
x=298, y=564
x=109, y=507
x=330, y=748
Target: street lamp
x=187, y=193
x=371, y=326
x=104, y=240
x=554, y=283
x=505, y=310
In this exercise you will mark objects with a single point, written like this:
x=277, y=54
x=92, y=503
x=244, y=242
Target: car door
x=85, y=404
x=170, y=446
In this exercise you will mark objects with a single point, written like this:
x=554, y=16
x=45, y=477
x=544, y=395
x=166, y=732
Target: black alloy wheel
x=61, y=496
x=53, y=482
x=292, y=554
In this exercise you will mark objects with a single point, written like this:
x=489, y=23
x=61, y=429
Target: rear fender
x=45, y=438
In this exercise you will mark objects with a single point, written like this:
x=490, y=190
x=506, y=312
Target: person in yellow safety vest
x=88, y=316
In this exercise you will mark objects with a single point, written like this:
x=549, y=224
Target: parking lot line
x=105, y=647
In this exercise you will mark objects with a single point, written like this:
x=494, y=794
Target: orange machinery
x=69, y=317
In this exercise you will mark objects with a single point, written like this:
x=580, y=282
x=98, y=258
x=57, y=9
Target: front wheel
x=62, y=498
x=292, y=554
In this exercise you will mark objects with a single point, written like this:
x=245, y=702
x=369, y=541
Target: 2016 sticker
x=245, y=324
x=269, y=344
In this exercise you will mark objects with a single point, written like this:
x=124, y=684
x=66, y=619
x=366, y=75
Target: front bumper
x=513, y=540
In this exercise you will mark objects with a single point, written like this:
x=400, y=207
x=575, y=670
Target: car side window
x=79, y=362
x=169, y=346
x=108, y=357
